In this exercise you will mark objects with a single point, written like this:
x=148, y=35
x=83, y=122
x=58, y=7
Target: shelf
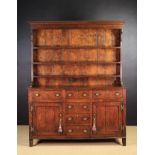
x=79, y=87
x=75, y=76
x=75, y=62
x=75, y=47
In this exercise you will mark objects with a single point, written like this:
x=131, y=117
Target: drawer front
x=78, y=94
x=77, y=107
x=78, y=131
x=78, y=119
x=111, y=94
x=46, y=95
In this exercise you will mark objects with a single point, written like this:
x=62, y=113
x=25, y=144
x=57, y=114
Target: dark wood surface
x=76, y=87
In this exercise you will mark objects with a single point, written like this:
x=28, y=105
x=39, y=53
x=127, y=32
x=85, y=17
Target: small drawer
x=77, y=94
x=78, y=130
x=46, y=95
x=108, y=94
x=77, y=107
x=78, y=119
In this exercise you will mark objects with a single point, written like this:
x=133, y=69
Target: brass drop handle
x=85, y=107
x=70, y=130
x=117, y=93
x=85, y=131
x=70, y=94
x=57, y=94
x=69, y=107
x=94, y=123
x=37, y=94
x=84, y=94
x=60, y=124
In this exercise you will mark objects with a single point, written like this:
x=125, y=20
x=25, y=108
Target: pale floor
x=77, y=148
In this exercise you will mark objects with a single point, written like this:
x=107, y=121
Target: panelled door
x=47, y=119
x=107, y=118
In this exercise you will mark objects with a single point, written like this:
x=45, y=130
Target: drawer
x=78, y=131
x=78, y=94
x=46, y=95
x=78, y=119
x=108, y=94
x=77, y=107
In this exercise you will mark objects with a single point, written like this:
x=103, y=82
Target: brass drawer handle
x=85, y=107
x=85, y=118
x=85, y=131
x=57, y=94
x=69, y=118
x=70, y=94
x=37, y=94
x=69, y=107
x=70, y=130
x=84, y=94
x=97, y=94
x=117, y=94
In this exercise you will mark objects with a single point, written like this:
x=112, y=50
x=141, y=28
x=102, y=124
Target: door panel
x=108, y=118
x=112, y=117
x=46, y=119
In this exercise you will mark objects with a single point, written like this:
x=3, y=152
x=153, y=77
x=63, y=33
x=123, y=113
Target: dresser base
x=31, y=142
x=77, y=114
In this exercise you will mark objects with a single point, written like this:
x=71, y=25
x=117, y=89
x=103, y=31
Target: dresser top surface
x=80, y=24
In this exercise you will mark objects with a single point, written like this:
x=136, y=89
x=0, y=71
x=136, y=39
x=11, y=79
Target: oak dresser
x=76, y=89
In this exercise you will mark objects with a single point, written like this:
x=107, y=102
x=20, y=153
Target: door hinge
x=31, y=108
x=122, y=128
x=32, y=129
x=122, y=107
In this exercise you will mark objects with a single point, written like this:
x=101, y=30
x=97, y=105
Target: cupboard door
x=47, y=119
x=106, y=118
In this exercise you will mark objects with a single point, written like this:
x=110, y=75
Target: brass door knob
x=70, y=130
x=97, y=94
x=117, y=94
x=84, y=94
x=69, y=118
x=85, y=131
x=57, y=94
x=37, y=94
x=70, y=94
x=85, y=107
x=85, y=118
x=69, y=107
